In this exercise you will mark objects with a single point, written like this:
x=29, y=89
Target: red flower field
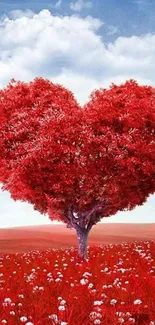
x=49, y=287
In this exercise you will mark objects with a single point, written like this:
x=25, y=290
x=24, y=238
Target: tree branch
x=93, y=210
x=73, y=220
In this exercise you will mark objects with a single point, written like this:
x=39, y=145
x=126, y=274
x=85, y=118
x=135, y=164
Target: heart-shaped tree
x=77, y=164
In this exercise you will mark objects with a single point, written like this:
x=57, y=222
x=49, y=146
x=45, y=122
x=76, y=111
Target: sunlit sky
x=83, y=45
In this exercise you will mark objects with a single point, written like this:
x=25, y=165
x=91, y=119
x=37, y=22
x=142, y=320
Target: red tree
x=77, y=164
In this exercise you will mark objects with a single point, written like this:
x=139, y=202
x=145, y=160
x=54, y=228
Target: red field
x=23, y=239
x=54, y=287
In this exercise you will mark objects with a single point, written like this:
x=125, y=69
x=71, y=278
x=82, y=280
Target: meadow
x=54, y=287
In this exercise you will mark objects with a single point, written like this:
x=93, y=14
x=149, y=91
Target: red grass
x=125, y=273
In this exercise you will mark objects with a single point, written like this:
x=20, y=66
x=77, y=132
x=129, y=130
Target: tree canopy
x=77, y=164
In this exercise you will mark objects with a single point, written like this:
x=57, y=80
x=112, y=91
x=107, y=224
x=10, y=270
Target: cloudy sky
x=83, y=45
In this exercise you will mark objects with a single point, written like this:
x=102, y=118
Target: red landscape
x=24, y=239
x=44, y=282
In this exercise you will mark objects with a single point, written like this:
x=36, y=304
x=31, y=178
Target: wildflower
x=54, y=317
x=97, y=321
x=61, y=307
x=128, y=314
x=131, y=319
x=104, y=286
x=12, y=312
x=72, y=284
x=41, y=288
x=58, y=280
x=7, y=300
x=119, y=313
x=86, y=274
x=98, y=303
x=137, y=302
x=21, y=296
x=23, y=319
x=83, y=281
x=113, y=301
x=63, y=302
x=90, y=285
x=93, y=315
x=122, y=270
x=59, y=298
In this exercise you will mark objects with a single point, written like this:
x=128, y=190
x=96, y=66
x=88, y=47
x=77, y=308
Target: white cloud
x=69, y=50
x=80, y=4
x=15, y=14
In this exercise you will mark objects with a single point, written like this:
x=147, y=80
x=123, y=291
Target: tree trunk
x=82, y=243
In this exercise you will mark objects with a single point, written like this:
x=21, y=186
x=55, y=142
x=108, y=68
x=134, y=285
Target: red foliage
x=96, y=160
x=54, y=287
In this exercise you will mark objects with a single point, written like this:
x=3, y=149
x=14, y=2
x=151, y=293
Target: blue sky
x=83, y=45
x=129, y=17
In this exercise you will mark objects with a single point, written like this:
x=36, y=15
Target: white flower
x=21, y=296
x=93, y=315
x=63, y=323
x=98, y=303
x=41, y=288
x=54, y=317
x=58, y=280
x=119, y=313
x=61, y=307
x=137, y=302
x=63, y=302
x=128, y=314
x=29, y=323
x=23, y=319
x=90, y=285
x=72, y=284
x=7, y=300
x=131, y=319
x=121, y=320
x=86, y=274
x=4, y=321
x=113, y=301
x=97, y=321
x=83, y=281
x=12, y=312
x=104, y=286
x=122, y=270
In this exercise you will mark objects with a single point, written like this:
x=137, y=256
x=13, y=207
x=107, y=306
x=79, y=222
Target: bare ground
x=24, y=239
